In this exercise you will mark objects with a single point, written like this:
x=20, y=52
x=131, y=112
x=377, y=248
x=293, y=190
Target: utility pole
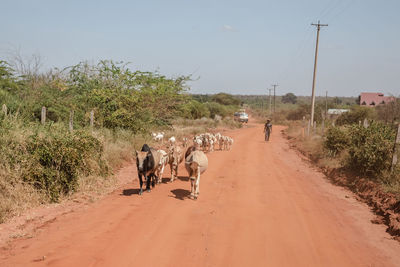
x=274, y=85
x=270, y=102
x=319, y=25
x=326, y=104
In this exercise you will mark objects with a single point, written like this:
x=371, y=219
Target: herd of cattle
x=151, y=162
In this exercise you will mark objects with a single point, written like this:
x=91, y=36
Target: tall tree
x=289, y=98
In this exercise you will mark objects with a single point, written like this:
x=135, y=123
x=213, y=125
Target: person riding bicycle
x=267, y=129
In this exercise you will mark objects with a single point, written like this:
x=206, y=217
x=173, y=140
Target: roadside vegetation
x=354, y=149
x=363, y=151
x=45, y=162
x=339, y=142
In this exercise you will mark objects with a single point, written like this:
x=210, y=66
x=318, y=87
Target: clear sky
x=239, y=47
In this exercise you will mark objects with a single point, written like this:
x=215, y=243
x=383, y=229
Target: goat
x=172, y=140
x=158, y=137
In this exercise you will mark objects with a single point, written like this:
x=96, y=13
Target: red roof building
x=374, y=99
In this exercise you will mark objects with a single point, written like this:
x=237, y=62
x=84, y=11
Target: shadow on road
x=165, y=180
x=183, y=178
x=129, y=192
x=180, y=193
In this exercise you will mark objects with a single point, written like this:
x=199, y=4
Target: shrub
x=225, y=99
x=57, y=159
x=337, y=139
x=355, y=115
x=289, y=98
x=389, y=112
x=298, y=113
x=194, y=110
x=370, y=149
x=221, y=110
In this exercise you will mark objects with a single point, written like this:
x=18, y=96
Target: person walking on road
x=267, y=129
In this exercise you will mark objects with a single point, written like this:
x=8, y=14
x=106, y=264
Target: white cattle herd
x=151, y=162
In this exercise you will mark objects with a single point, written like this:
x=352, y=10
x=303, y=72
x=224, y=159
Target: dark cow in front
x=147, y=161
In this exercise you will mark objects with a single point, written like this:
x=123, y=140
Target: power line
x=341, y=11
x=318, y=25
x=333, y=5
x=296, y=56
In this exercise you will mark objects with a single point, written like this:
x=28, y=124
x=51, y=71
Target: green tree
x=225, y=99
x=289, y=98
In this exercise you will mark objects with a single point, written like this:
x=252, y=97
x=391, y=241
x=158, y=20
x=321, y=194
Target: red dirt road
x=260, y=205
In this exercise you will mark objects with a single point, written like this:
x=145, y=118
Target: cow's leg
x=141, y=184
x=153, y=180
x=148, y=180
x=176, y=171
x=197, y=185
x=160, y=174
x=192, y=189
x=172, y=172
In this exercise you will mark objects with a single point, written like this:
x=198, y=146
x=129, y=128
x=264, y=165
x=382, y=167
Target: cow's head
x=140, y=158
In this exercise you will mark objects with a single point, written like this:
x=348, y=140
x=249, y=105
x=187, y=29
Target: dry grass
x=15, y=198
x=312, y=146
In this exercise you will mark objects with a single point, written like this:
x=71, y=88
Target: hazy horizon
x=237, y=47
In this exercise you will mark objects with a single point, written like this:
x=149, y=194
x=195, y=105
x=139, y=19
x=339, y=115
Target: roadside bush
x=355, y=115
x=47, y=158
x=370, y=149
x=220, y=110
x=194, y=110
x=389, y=112
x=337, y=139
x=298, y=113
x=58, y=158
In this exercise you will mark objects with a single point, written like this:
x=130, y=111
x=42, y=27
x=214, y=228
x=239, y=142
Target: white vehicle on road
x=241, y=117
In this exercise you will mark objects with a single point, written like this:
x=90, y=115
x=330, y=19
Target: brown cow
x=175, y=157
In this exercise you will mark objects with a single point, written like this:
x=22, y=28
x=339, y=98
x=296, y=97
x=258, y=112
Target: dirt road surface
x=260, y=205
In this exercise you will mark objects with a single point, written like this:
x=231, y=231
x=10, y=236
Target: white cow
x=161, y=165
x=196, y=163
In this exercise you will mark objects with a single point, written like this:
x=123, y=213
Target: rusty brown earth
x=385, y=205
x=260, y=205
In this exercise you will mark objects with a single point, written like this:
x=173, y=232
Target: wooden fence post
x=71, y=120
x=308, y=127
x=303, y=132
x=91, y=118
x=4, y=109
x=43, y=115
x=366, y=124
x=396, y=148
